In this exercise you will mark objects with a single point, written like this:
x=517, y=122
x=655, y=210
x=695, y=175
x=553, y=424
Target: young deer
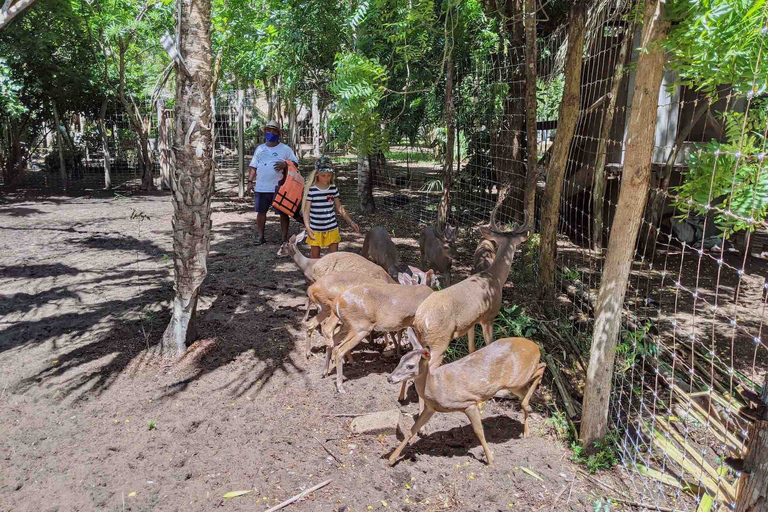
x=454, y=311
x=438, y=249
x=380, y=249
x=484, y=256
x=510, y=364
x=306, y=265
x=368, y=307
x=325, y=290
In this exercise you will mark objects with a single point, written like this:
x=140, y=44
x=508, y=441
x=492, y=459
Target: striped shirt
x=322, y=218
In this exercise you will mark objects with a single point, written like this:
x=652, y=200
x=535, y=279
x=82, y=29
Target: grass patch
x=511, y=322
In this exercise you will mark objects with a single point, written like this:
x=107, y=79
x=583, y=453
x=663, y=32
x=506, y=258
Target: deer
x=380, y=249
x=484, y=255
x=315, y=268
x=438, y=249
x=372, y=306
x=511, y=364
x=454, y=311
x=325, y=290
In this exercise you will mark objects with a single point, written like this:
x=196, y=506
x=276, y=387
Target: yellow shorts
x=325, y=238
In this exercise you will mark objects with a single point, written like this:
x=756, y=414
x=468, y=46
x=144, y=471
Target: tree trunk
x=753, y=484
x=450, y=125
x=164, y=146
x=629, y=215
x=241, y=143
x=8, y=11
x=270, y=90
x=191, y=175
x=598, y=192
x=566, y=126
x=60, y=144
x=315, y=124
x=532, y=143
x=147, y=177
x=365, y=185
x=105, y=144
x=509, y=164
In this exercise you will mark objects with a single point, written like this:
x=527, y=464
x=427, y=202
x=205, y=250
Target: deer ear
x=299, y=238
x=413, y=339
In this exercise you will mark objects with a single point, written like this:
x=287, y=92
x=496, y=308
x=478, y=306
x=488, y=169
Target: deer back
x=348, y=262
x=379, y=248
x=508, y=363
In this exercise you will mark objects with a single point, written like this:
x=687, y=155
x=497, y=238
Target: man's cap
x=272, y=124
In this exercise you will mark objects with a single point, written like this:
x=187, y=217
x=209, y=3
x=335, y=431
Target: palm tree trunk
x=105, y=144
x=192, y=175
x=60, y=144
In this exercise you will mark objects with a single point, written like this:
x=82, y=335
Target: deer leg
x=348, y=344
x=403, y=388
x=531, y=389
x=312, y=327
x=488, y=332
x=470, y=339
x=473, y=413
x=422, y=420
x=306, y=314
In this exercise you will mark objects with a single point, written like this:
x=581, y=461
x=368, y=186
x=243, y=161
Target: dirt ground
x=85, y=284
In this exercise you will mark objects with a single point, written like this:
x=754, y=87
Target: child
x=321, y=196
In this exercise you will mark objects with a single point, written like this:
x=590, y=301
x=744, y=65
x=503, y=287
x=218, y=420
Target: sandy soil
x=84, y=289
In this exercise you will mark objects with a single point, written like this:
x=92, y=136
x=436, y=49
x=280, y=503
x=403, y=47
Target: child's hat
x=323, y=164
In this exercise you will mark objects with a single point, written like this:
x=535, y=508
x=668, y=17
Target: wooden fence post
x=241, y=143
x=530, y=109
x=753, y=484
x=567, y=118
x=635, y=182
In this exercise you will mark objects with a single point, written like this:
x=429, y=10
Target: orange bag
x=288, y=196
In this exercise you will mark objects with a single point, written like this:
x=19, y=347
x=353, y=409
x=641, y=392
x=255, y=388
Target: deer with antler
x=453, y=312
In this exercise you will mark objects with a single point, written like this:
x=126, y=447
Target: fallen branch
x=345, y=415
x=329, y=451
x=298, y=496
x=570, y=407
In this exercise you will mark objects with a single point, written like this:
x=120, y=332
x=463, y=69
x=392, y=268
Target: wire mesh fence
x=693, y=318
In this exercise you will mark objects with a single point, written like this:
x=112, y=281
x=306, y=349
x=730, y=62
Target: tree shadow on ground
x=245, y=318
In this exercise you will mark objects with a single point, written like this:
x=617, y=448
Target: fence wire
x=693, y=320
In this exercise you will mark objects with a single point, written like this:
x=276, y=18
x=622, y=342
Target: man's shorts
x=325, y=238
x=262, y=201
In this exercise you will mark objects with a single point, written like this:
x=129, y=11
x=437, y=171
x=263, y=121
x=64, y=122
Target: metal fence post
x=240, y=143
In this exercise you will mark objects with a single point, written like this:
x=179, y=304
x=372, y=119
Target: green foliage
x=603, y=456
x=151, y=425
x=359, y=85
x=733, y=175
x=635, y=344
x=511, y=322
x=718, y=42
x=549, y=95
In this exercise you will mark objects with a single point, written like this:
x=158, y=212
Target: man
x=267, y=168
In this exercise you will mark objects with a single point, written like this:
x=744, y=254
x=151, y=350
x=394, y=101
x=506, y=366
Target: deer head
x=410, y=364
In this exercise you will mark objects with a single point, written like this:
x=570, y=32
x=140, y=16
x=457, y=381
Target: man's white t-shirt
x=264, y=159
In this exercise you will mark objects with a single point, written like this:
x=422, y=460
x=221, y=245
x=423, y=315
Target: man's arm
x=251, y=176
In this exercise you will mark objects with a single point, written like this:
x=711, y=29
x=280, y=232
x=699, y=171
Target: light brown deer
x=372, y=306
x=315, y=268
x=438, y=249
x=325, y=290
x=453, y=312
x=484, y=256
x=380, y=249
x=510, y=364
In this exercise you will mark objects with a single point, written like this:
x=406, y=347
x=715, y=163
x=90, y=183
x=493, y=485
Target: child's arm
x=306, y=206
x=340, y=209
